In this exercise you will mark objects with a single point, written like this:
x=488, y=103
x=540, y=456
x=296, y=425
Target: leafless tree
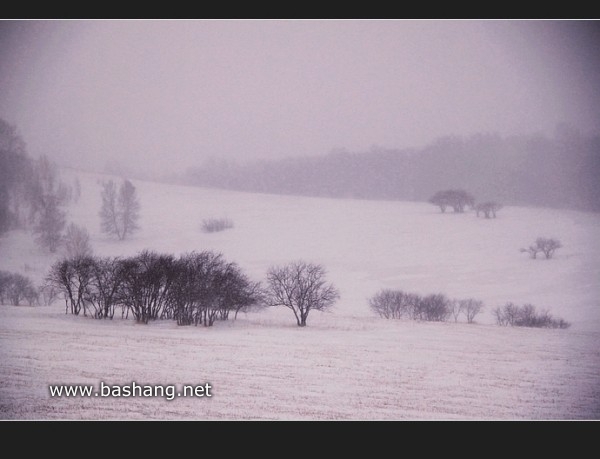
x=548, y=246
x=129, y=207
x=392, y=304
x=120, y=209
x=105, y=291
x=435, y=308
x=77, y=242
x=470, y=308
x=488, y=209
x=301, y=287
x=73, y=277
x=146, y=283
x=50, y=224
x=456, y=307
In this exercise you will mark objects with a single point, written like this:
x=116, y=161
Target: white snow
x=347, y=363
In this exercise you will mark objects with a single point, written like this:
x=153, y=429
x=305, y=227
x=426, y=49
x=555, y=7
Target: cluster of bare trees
x=15, y=288
x=459, y=200
x=397, y=304
x=527, y=316
x=544, y=245
x=196, y=288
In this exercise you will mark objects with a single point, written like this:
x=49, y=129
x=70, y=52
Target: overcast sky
x=164, y=95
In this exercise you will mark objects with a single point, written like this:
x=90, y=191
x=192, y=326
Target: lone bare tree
x=50, y=224
x=77, y=242
x=470, y=307
x=120, y=211
x=301, y=287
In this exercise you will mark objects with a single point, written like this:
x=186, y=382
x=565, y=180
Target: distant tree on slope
x=545, y=245
x=77, y=241
x=488, y=209
x=458, y=199
x=120, y=210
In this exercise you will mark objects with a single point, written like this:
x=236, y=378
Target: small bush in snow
x=527, y=316
x=213, y=225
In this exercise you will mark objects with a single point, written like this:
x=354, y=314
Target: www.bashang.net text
x=168, y=392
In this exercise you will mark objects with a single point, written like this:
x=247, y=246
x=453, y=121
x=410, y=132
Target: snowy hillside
x=347, y=363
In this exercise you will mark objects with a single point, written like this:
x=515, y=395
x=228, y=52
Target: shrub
x=470, y=308
x=392, y=304
x=396, y=304
x=213, y=225
x=434, y=308
x=527, y=316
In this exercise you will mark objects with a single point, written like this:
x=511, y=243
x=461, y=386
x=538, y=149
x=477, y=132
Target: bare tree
x=471, y=307
x=120, y=210
x=488, y=209
x=440, y=199
x=72, y=277
x=456, y=307
x=146, y=282
x=548, y=246
x=435, y=308
x=77, y=242
x=109, y=219
x=393, y=304
x=301, y=287
x=105, y=287
x=129, y=207
x=50, y=224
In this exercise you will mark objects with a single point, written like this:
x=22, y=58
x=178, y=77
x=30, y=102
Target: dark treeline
x=561, y=171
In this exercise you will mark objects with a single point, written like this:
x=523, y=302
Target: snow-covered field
x=347, y=363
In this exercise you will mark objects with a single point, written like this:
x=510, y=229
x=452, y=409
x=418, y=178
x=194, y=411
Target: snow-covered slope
x=347, y=363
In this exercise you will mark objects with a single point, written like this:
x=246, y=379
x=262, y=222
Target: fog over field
x=299, y=219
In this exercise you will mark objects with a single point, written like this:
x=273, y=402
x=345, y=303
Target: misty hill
x=560, y=172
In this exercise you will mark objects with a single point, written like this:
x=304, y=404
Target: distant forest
x=560, y=172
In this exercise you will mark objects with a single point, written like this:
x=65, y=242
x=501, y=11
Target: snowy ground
x=347, y=363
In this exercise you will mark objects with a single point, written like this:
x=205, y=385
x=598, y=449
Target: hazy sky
x=162, y=95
